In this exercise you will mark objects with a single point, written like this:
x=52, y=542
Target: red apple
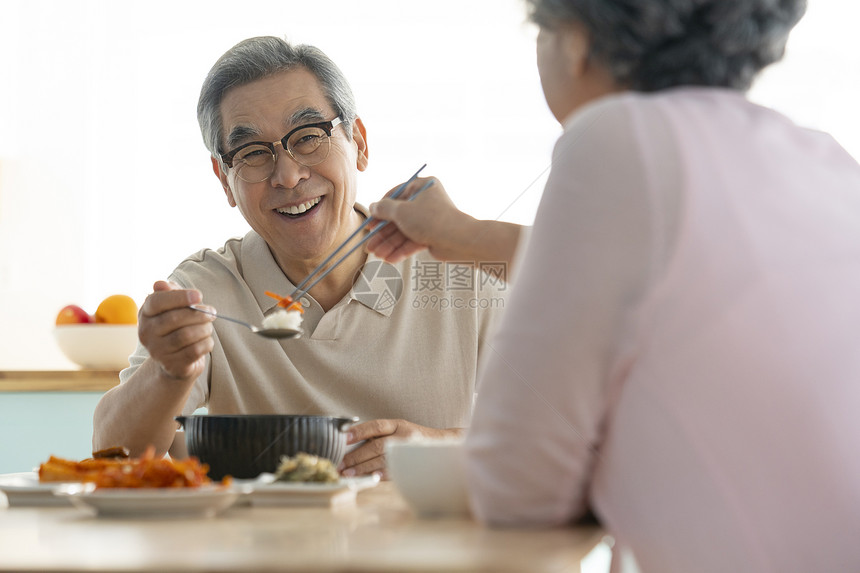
x=73, y=314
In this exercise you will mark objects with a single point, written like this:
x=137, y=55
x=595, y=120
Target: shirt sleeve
x=543, y=391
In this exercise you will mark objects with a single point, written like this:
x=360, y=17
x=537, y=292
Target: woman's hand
x=430, y=221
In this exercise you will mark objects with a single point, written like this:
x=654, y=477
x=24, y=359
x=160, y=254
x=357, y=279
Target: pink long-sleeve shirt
x=681, y=349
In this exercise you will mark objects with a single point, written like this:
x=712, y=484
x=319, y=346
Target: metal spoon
x=267, y=332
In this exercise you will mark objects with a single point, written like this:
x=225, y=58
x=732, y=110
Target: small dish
x=205, y=501
x=430, y=475
x=23, y=489
x=267, y=492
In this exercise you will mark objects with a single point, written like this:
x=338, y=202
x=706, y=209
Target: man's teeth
x=299, y=209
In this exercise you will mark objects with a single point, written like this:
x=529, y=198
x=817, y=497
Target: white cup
x=430, y=475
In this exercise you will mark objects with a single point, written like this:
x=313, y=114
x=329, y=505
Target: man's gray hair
x=649, y=45
x=257, y=58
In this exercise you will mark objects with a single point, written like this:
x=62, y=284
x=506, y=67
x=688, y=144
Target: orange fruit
x=117, y=309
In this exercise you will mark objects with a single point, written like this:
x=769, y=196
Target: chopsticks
x=303, y=287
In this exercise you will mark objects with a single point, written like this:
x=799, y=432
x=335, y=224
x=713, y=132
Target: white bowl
x=97, y=346
x=430, y=475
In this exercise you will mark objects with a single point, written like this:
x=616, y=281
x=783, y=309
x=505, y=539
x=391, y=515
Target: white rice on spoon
x=283, y=320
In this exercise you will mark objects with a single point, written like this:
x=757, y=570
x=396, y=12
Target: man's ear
x=359, y=136
x=222, y=177
x=576, y=46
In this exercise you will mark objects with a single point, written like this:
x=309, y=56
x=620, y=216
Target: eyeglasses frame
x=326, y=126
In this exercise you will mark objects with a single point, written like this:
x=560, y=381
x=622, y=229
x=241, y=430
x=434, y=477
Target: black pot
x=244, y=446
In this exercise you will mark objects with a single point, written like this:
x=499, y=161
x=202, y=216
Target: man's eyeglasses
x=307, y=144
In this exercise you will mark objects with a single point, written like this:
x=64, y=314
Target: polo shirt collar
x=262, y=273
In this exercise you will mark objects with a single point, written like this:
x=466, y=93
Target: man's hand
x=370, y=456
x=177, y=337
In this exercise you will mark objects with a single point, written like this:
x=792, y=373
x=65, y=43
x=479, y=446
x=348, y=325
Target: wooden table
x=58, y=380
x=378, y=533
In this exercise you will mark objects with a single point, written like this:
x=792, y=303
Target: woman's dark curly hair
x=649, y=45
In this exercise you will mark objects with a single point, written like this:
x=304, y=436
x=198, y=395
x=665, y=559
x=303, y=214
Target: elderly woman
x=680, y=352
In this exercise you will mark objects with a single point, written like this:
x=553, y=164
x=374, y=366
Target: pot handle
x=344, y=423
x=181, y=420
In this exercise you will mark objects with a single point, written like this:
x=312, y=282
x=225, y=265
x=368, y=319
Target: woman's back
x=734, y=442
x=682, y=347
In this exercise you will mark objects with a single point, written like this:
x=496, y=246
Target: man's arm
x=140, y=411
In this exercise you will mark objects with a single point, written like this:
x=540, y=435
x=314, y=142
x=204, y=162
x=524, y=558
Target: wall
x=103, y=174
x=36, y=425
x=105, y=184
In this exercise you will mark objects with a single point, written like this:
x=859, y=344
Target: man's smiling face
x=302, y=212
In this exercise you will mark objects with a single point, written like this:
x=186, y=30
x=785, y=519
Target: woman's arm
x=432, y=221
x=544, y=392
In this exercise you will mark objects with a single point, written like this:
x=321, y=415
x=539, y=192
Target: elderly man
x=396, y=345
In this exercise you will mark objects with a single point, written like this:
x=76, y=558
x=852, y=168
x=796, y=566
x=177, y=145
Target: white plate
x=24, y=489
x=204, y=501
x=264, y=491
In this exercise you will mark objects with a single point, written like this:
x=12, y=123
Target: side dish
x=287, y=302
x=145, y=471
x=305, y=467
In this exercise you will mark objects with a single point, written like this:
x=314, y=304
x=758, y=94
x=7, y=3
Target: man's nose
x=287, y=172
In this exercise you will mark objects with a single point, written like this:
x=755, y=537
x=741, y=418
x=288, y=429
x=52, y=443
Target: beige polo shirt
x=404, y=343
